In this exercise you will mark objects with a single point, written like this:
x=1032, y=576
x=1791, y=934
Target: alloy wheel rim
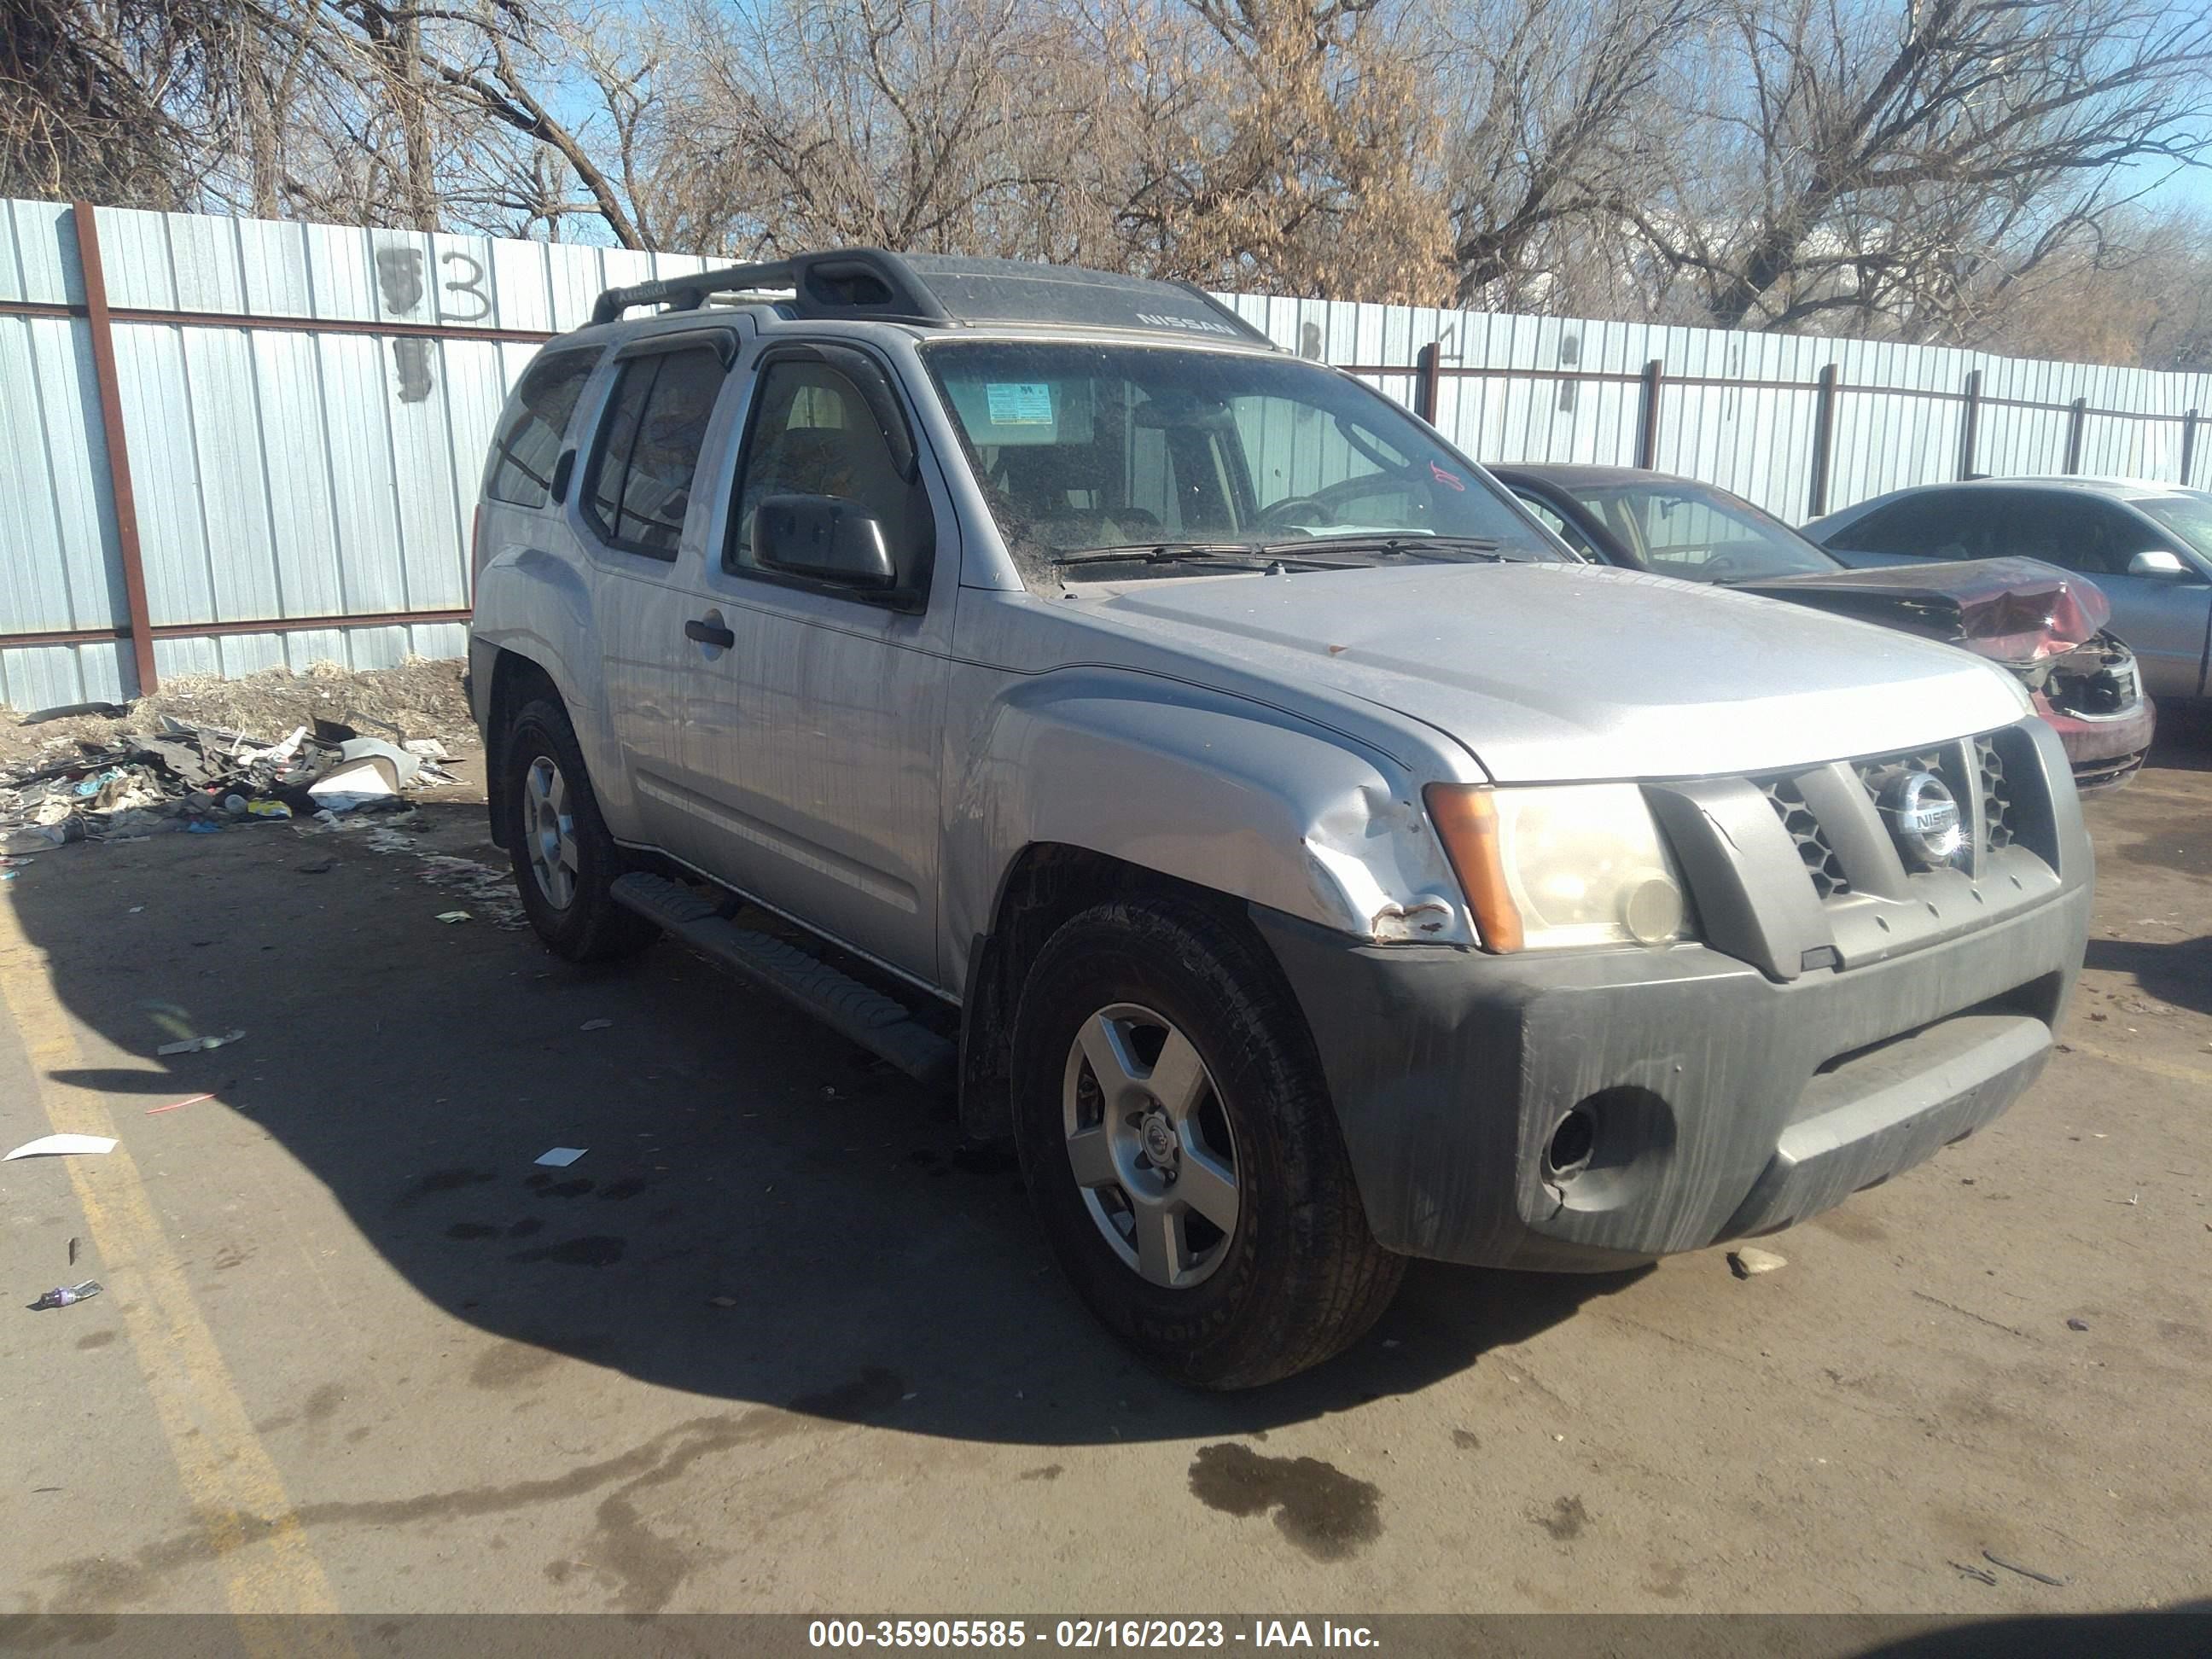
x=549, y=831
x=1150, y=1146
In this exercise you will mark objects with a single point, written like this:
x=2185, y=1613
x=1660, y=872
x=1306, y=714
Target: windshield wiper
x=1385, y=545
x=1182, y=552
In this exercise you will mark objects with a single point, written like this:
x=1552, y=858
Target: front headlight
x=1574, y=864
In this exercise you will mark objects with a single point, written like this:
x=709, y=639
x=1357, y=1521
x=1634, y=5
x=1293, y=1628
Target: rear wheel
x=1180, y=1151
x=565, y=861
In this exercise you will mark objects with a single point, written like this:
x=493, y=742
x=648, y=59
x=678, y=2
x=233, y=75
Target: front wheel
x=1182, y=1153
x=565, y=861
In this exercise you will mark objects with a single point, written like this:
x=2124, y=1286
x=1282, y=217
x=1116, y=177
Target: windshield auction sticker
x=1020, y=403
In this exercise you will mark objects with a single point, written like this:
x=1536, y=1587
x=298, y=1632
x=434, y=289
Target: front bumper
x=2106, y=752
x=1720, y=1099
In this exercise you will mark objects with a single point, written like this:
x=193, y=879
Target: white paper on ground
x=560, y=1158
x=350, y=786
x=54, y=1146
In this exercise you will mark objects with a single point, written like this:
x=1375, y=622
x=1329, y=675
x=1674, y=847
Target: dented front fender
x=1227, y=794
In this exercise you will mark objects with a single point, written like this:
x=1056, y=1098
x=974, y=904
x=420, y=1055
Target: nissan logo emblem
x=1923, y=820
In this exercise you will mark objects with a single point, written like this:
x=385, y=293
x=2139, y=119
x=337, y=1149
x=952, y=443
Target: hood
x=2015, y=612
x=1571, y=672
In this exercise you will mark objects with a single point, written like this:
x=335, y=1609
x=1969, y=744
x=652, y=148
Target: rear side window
x=529, y=441
x=649, y=449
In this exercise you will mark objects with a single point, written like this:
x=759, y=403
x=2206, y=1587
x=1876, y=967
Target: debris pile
x=202, y=778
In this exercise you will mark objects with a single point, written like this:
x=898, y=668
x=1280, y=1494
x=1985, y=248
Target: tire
x=1295, y=1277
x=564, y=886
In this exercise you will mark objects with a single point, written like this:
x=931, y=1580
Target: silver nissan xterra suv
x=1184, y=753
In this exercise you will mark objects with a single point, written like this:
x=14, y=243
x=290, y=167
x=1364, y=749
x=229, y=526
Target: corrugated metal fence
x=227, y=444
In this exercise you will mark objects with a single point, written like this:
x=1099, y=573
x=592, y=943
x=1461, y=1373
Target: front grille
x=1996, y=796
x=1967, y=770
x=1822, y=866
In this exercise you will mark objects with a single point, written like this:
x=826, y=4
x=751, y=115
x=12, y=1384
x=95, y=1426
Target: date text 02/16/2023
x=1083, y=1634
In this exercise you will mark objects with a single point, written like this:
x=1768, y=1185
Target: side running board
x=853, y=1011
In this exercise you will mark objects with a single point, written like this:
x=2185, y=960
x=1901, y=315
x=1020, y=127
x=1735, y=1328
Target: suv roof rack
x=940, y=291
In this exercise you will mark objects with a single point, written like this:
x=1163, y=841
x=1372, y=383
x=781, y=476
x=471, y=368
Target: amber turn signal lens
x=1466, y=818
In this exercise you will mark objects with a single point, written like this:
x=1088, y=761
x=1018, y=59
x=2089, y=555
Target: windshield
x=2189, y=517
x=1682, y=529
x=1182, y=459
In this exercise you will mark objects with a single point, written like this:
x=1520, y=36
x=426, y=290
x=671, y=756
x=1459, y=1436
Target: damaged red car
x=2045, y=625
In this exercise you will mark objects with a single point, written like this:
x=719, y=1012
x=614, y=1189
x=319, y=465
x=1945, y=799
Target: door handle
x=709, y=633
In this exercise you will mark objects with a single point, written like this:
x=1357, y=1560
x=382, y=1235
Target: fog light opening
x=1573, y=1138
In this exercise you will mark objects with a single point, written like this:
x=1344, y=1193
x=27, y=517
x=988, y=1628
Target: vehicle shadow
x=2184, y=741
x=762, y=1213
x=2179, y=971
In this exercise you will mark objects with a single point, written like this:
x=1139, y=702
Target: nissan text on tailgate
x=1179, y=750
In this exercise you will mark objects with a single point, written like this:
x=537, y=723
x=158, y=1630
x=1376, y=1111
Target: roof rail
x=938, y=290
x=858, y=281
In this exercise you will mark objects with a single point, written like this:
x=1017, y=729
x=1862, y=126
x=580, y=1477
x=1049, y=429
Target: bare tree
x=1861, y=131
x=1283, y=146
x=1559, y=111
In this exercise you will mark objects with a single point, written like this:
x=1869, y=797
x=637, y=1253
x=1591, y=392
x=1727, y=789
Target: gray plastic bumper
x=1721, y=1102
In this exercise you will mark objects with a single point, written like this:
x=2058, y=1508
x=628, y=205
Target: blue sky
x=2172, y=185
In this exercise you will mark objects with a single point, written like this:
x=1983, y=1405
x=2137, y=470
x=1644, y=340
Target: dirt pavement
x=776, y=1341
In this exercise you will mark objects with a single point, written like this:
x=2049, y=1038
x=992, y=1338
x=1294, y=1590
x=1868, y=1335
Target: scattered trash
x=64, y=1296
x=449, y=917
x=194, y=1045
x=2025, y=1573
x=319, y=867
x=1750, y=1259
x=72, y=1252
x=137, y=909
x=203, y=829
x=172, y=774
x=1979, y=1575
x=60, y=1146
x=428, y=749
x=490, y=891
x=596, y=1025
x=188, y=1100
x=561, y=1156
x=2077, y=1324
x=712, y=1301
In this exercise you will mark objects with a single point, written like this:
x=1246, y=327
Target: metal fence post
x=2076, y=420
x=1823, y=443
x=102, y=330
x=1428, y=380
x=1970, y=426
x=2188, y=447
x=1647, y=424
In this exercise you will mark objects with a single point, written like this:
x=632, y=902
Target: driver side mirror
x=2157, y=561
x=824, y=538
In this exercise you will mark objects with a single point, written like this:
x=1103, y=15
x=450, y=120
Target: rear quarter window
x=529, y=439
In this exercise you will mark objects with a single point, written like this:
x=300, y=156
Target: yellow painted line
x=232, y=1483
x=2165, y=1068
